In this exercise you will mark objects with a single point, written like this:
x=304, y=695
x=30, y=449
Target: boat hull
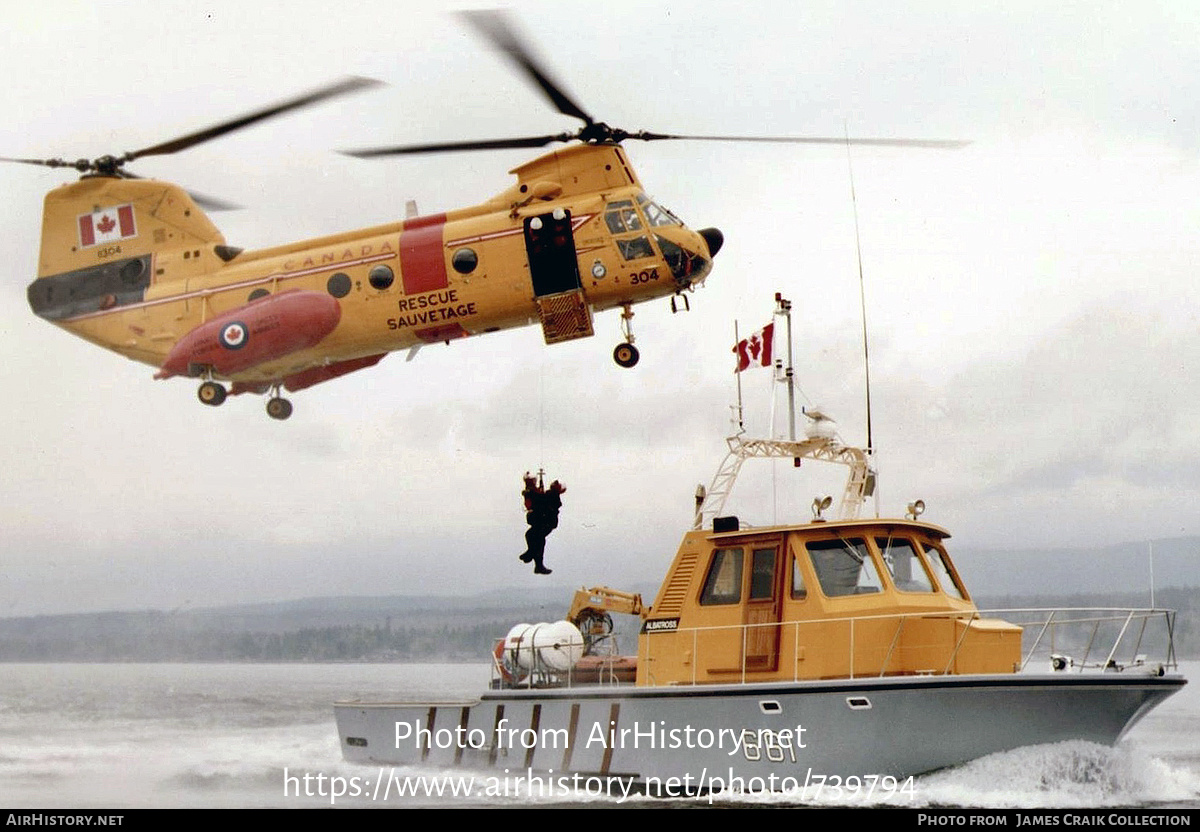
x=772, y=731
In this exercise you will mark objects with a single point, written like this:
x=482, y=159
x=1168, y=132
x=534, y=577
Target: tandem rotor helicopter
x=136, y=266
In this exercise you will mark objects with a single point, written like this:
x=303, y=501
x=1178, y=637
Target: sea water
x=126, y=736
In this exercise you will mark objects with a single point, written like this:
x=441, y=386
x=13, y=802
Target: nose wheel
x=626, y=355
x=211, y=393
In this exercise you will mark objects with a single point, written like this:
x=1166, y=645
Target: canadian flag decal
x=107, y=225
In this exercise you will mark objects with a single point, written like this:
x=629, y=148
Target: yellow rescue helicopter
x=136, y=266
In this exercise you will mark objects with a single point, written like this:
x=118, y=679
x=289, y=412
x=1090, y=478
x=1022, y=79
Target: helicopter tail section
x=106, y=240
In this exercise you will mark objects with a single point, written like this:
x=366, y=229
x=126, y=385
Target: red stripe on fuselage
x=422, y=257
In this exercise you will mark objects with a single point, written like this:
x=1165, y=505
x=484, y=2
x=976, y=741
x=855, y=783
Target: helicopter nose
x=714, y=238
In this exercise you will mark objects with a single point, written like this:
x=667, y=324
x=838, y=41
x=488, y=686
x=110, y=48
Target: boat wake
x=1061, y=775
x=1057, y=776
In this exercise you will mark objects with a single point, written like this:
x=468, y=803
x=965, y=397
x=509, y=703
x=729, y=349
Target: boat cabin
x=823, y=600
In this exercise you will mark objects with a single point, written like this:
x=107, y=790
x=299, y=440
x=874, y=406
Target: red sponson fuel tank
x=262, y=330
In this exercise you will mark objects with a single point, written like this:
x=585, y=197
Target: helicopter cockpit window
x=656, y=215
x=622, y=217
x=901, y=558
x=635, y=247
x=844, y=567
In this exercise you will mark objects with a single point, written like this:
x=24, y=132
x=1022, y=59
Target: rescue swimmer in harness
x=541, y=513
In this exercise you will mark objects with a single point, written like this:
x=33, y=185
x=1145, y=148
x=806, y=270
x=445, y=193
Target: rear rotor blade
x=208, y=203
x=945, y=144
x=494, y=26
x=342, y=87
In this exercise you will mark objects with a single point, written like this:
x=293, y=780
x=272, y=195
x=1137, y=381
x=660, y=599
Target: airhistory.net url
x=388, y=785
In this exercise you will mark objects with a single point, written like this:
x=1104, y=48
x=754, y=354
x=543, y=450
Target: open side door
x=554, y=273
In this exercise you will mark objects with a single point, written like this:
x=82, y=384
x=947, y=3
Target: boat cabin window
x=799, y=590
x=941, y=568
x=762, y=574
x=902, y=561
x=724, y=582
x=844, y=566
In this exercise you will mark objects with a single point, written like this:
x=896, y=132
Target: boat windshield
x=940, y=562
x=844, y=566
x=902, y=561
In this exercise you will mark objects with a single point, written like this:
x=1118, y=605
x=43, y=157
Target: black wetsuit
x=542, y=519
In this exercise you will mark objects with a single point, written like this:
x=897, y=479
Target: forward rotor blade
x=494, y=26
x=445, y=147
x=944, y=144
x=342, y=87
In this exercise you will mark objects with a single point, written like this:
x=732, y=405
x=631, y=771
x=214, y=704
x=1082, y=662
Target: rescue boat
x=832, y=650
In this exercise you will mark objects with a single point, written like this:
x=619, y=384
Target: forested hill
x=396, y=628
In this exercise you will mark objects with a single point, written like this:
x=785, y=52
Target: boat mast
x=820, y=443
x=784, y=307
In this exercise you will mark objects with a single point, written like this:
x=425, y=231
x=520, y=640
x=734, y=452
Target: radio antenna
x=862, y=293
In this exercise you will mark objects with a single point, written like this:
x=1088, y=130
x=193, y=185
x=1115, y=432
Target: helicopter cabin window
x=902, y=561
x=724, y=582
x=844, y=566
x=381, y=277
x=941, y=568
x=656, y=215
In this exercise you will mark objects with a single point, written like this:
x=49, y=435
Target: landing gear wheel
x=211, y=393
x=626, y=355
x=279, y=408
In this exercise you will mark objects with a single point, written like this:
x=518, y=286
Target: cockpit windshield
x=656, y=215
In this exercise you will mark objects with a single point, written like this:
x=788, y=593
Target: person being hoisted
x=541, y=513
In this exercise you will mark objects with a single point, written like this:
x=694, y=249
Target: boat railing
x=1067, y=639
x=1063, y=632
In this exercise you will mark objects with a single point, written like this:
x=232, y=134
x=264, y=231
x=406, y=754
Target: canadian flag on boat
x=755, y=351
x=107, y=225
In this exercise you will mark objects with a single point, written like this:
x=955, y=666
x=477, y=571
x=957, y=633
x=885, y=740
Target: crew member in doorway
x=541, y=513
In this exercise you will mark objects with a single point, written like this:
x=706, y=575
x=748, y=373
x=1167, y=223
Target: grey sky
x=1032, y=298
